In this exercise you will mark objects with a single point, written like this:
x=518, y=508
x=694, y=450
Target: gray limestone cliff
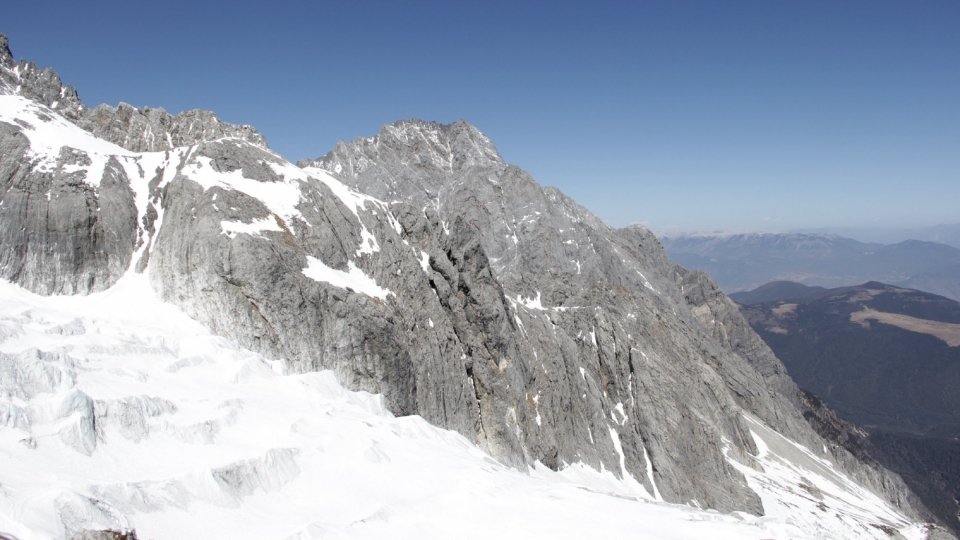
x=58, y=233
x=442, y=277
x=607, y=328
x=68, y=223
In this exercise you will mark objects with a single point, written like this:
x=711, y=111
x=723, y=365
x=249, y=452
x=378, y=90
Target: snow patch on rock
x=281, y=197
x=354, y=278
x=48, y=133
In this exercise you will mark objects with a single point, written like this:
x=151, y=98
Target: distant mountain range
x=943, y=281
x=883, y=357
x=741, y=262
x=945, y=234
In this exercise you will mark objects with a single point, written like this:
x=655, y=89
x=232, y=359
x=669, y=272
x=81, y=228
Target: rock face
x=153, y=130
x=68, y=222
x=137, y=130
x=42, y=86
x=60, y=232
x=606, y=326
x=104, y=535
x=416, y=264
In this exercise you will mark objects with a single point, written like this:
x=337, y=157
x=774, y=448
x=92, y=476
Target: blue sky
x=681, y=115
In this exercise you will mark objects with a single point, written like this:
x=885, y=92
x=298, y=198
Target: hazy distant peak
x=724, y=235
x=774, y=291
x=700, y=234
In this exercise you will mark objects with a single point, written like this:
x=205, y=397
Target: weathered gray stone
x=664, y=344
x=612, y=311
x=6, y=58
x=60, y=233
x=153, y=130
x=105, y=535
x=40, y=85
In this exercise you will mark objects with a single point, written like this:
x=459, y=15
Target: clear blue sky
x=766, y=115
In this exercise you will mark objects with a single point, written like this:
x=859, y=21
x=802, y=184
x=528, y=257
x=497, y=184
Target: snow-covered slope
x=119, y=411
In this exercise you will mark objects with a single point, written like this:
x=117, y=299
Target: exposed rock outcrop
x=153, y=130
x=135, y=129
x=105, y=535
x=664, y=340
x=39, y=85
x=60, y=232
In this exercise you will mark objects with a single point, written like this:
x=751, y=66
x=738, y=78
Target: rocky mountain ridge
x=418, y=265
x=136, y=129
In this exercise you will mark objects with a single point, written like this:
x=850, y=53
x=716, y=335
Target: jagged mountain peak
x=460, y=135
x=40, y=85
x=6, y=58
x=429, y=146
x=154, y=129
x=135, y=129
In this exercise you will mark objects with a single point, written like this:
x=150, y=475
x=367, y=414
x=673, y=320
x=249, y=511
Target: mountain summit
x=427, y=146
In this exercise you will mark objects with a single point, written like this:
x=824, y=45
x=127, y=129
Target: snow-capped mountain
x=424, y=273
